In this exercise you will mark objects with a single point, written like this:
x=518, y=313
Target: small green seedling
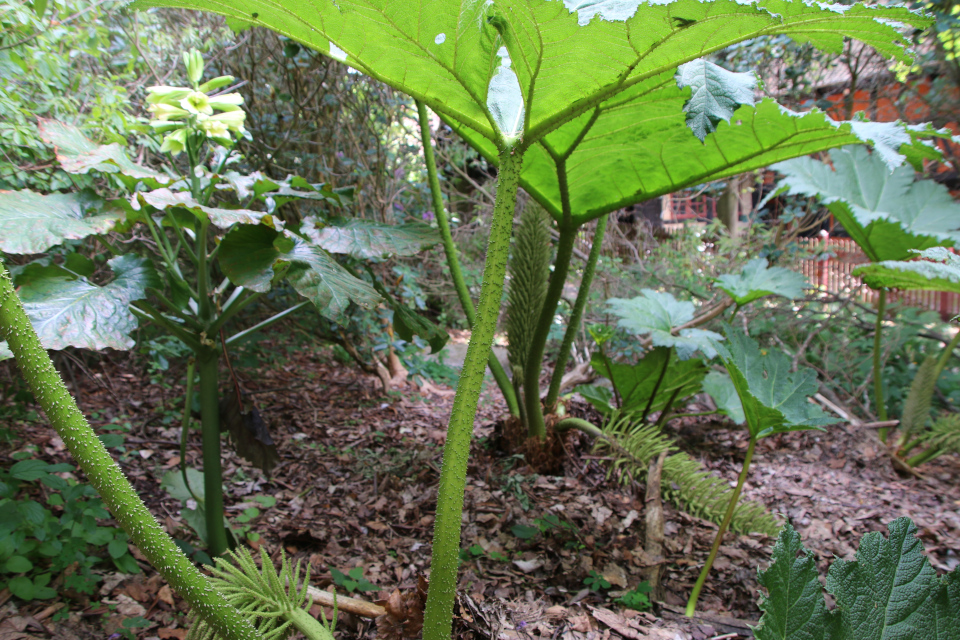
x=636, y=599
x=353, y=580
x=596, y=582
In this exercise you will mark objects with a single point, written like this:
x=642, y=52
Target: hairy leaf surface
x=890, y=592
x=364, y=239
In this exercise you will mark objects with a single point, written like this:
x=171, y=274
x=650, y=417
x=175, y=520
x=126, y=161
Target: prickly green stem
x=878, y=364
x=576, y=316
x=453, y=475
x=453, y=258
x=536, y=428
x=104, y=474
x=695, y=595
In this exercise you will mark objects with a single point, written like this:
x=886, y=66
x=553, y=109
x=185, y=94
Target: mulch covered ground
x=356, y=488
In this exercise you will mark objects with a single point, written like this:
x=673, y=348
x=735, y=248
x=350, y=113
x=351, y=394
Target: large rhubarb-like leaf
x=659, y=315
x=32, y=223
x=78, y=154
x=890, y=592
x=656, y=154
x=758, y=280
x=773, y=398
x=253, y=255
x=77, y=313
x=365, y=239
x=887, y=213
x=657, y=372
x=163, y=199
x=938, y=271
x=471, y=61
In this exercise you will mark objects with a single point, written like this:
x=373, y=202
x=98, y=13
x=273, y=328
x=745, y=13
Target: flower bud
x=214, y=84
x=194, y=62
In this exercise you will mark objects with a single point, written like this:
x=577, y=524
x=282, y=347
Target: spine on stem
x=453, y=474
x=104, y=474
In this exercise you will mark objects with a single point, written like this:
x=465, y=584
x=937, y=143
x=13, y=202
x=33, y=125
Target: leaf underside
x=888, y=214
x=659, y=314
x=32, y=223
x=938, y=271
x=588, y=77
x=364, y=239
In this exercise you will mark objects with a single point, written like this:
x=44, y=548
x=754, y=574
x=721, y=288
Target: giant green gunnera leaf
x=77, y=313
x=888, y=213
x=772, y=397
x=589, y=89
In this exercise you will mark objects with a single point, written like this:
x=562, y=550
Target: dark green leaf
x=251, y=254
x=636, y=383
x=32, y=223
x=17, y=564
x=597, y=395
x=29, y=470
x=889, y=591
x=524, y=532
x=773, y=398
x=794, y=607
x=117, y=547
x=715, y=94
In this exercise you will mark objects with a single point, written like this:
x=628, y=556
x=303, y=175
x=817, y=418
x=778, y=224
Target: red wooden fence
x=832, y=272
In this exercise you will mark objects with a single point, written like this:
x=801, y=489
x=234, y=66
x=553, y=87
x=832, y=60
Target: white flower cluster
x=180, y=112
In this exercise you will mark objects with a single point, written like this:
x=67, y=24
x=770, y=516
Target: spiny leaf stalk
x=106, y=477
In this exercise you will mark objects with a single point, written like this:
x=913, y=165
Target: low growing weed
x=50, y=527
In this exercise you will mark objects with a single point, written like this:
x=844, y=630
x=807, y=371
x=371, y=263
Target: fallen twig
x=350, y=605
